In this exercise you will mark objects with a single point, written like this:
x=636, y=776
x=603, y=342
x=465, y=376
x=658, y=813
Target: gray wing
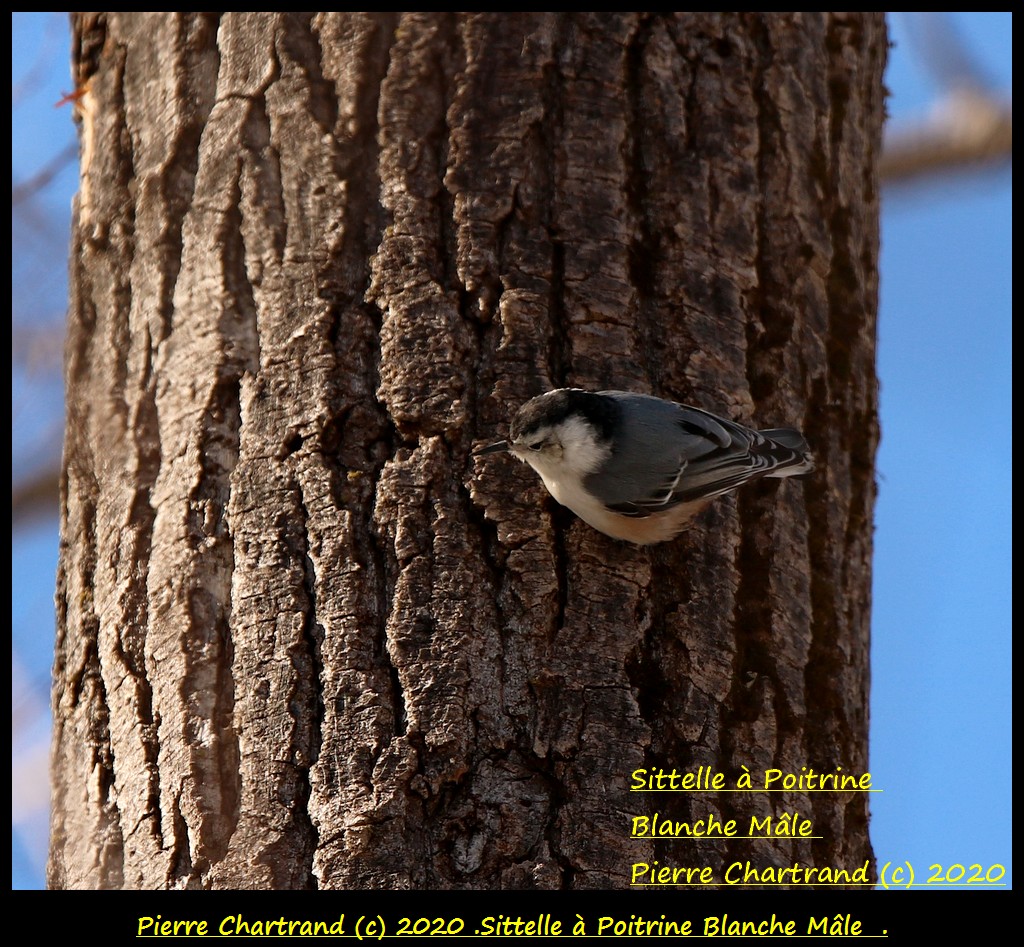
x=672, y=453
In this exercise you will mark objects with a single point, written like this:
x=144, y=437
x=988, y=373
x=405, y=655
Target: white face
x=567, y=449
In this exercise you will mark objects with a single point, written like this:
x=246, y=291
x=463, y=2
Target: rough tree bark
x=304, y=639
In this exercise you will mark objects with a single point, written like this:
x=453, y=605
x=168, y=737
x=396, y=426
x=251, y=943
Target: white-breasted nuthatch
x=640, y=468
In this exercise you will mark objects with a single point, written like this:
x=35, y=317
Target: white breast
x=642, y=530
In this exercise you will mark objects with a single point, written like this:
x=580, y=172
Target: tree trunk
x=305, y=640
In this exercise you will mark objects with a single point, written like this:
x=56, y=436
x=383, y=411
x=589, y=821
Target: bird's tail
x=789, y=451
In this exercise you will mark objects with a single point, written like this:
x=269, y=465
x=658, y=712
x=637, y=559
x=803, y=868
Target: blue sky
x=940, y=709
x=941, y=658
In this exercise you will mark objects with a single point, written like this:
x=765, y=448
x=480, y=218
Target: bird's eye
x=537, y=446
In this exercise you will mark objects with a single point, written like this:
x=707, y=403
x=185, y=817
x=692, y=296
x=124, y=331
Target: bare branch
x=25, y=190
x=942, y=51
x=970, y=125
x=35, y=496
x=969, y=128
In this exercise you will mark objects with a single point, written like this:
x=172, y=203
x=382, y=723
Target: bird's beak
x=491, y=449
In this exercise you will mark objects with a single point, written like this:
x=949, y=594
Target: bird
x=640, y=468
